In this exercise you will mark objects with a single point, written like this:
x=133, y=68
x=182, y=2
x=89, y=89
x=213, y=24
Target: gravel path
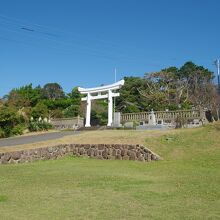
x=35, y=138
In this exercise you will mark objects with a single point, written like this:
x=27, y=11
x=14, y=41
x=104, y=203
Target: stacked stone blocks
x=98, y=151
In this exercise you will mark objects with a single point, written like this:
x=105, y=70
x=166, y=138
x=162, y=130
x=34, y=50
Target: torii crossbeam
x=101, y=92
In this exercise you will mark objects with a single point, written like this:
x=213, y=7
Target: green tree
x=40, y=110
x=198, y=83
x=75, y=96
x=57, y=104
x=72, y=111
x=24, y=96
x=185, y=87
x=56, y=113
x=53, y=91
x=130, y=98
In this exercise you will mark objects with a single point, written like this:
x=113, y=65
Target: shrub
x=40, y=110
x=2, y=133
x=39, y=126
x=57, y=113
x=71, y=111
x=18, y=130
x=9, y=119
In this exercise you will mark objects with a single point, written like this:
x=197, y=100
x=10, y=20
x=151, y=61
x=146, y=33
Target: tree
x=164, y=88
x=72, y=111
x=198, y=83
x=75, y=95
x=40, y=110
x=191, y=85
x=56, y=113
x=53, y=91
x=60, y=104
x=130, y=97
x=24, y=96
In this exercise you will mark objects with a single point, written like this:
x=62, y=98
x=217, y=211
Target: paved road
x=35, y=138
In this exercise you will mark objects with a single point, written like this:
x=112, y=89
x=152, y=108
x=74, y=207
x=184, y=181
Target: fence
x=164, y=115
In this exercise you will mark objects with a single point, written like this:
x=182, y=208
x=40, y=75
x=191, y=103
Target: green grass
x=185, y=185
x=3, y=198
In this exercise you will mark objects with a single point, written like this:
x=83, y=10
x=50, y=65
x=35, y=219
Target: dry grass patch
x=96, y=137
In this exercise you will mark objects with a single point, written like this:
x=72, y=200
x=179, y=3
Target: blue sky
x=80, y=42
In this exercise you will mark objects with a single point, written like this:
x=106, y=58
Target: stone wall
x=65, y=123
x=98, y=151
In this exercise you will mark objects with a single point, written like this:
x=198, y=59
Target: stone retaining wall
x=65, y=123
x=98, y=151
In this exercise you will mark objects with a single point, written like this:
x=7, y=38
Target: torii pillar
x=88, y=111
x=110, y=108
x=100, y=93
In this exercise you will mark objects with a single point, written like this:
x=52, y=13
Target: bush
x=98, y=118
x=2, y=133
x=39, y=126
x=40, y=110
x=57, y=113
x=9, y=119
x=71, y=111
x=18, y=130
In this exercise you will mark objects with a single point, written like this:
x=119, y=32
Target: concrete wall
x=98, y=151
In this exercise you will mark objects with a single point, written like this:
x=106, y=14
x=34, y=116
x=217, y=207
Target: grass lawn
x=185, y=185
x=96, y=137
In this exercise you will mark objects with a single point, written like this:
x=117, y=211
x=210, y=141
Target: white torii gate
x=101, y=92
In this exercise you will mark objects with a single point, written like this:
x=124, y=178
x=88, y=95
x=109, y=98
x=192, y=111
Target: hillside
x=185, y=185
